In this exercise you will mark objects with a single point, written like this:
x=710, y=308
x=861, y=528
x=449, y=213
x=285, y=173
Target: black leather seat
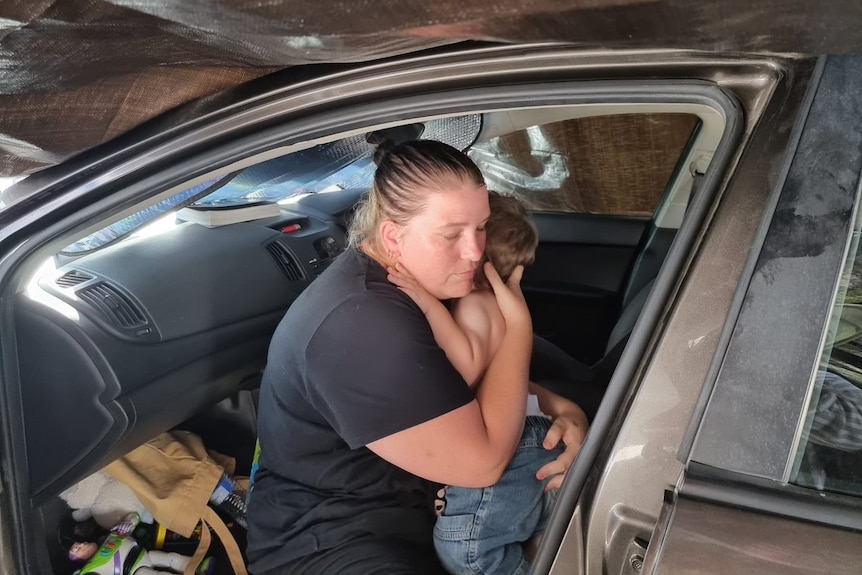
x=554, y=369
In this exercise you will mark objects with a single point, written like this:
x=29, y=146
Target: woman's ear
x=390, y=238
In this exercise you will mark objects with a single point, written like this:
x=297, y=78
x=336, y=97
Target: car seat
x=556, y=370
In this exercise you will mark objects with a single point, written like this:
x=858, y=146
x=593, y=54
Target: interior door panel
x=575, y=286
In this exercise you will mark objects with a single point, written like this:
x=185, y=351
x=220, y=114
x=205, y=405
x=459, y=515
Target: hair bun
x=383, y=149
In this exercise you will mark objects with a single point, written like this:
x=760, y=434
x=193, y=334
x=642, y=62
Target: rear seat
x=554, y=369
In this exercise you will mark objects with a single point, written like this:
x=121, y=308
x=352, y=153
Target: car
x=698, y=222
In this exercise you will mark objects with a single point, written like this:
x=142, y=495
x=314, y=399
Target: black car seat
x=553, y=368
x=585, y=384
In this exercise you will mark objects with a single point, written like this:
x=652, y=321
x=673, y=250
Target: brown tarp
x=74, y=73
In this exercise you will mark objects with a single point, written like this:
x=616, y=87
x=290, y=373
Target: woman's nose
x=473, y=247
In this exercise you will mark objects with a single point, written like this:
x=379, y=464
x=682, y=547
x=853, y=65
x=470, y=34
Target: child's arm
x=464, y=349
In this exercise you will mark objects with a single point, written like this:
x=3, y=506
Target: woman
x=361, y=414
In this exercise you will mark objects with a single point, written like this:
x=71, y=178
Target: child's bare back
x=479, y=317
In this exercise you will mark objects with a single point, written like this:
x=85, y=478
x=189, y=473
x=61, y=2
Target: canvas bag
x=174, y=475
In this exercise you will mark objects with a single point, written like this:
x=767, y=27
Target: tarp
x=75, y=73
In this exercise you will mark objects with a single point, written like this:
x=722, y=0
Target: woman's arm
x=471, y=446
x=556, y=405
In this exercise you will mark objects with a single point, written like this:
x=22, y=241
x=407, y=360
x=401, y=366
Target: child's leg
x=531, y=547
x=484, y=530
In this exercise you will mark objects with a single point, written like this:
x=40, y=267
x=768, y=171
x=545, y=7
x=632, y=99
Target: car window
x=830, y=454
x=131, y=223
x=616, y=164
x=344, y=164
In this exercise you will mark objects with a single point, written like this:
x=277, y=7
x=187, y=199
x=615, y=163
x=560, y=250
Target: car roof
x=78, y=73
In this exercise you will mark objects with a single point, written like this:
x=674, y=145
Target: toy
x=105, y=499
x=120, y=554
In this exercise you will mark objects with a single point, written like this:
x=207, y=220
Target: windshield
x=345, y=164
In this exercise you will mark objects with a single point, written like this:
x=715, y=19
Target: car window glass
x=830, y=453
x=345, y=164
x=130, y=223
x=613, y=164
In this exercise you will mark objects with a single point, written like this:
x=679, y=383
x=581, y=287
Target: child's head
x=511, y=237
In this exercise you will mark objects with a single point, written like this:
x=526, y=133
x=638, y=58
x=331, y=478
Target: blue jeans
x=482, y=530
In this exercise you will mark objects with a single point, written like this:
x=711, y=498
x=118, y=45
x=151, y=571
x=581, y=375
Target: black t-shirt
x=354, y=360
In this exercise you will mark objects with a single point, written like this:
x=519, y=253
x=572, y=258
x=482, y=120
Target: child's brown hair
x=511, y=238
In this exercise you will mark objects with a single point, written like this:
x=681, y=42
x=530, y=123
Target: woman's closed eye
x=452, y=236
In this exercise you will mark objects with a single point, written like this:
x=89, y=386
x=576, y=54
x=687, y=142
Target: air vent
x=285, y=260
x=113, y=305
x=72, y=278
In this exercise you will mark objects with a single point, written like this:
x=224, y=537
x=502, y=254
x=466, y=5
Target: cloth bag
x=174, y=476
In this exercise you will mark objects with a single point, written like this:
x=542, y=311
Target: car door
x=763, y=477
x=781, y=435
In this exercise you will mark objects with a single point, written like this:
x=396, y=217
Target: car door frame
x=733, y=462
x=608, y=509
x=113, y=178
x=750, y=430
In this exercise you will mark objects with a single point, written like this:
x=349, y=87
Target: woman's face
x=442, y=245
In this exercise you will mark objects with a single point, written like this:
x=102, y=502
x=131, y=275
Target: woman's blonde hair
x=405, y=174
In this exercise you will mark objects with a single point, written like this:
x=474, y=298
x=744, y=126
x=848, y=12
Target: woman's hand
x=572, y=433
x=569, y=425
x=405, y=281
x=510, y=298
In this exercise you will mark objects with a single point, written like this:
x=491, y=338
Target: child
x=485, y=530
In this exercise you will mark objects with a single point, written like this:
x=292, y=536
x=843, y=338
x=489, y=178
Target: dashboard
x=129, y=341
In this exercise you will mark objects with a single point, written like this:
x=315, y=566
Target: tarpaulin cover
x=75, y=73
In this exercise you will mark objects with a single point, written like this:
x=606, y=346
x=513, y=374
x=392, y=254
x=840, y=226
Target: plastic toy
x=120, y=554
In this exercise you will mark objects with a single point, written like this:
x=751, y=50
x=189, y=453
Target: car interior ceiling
x=121, y=353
